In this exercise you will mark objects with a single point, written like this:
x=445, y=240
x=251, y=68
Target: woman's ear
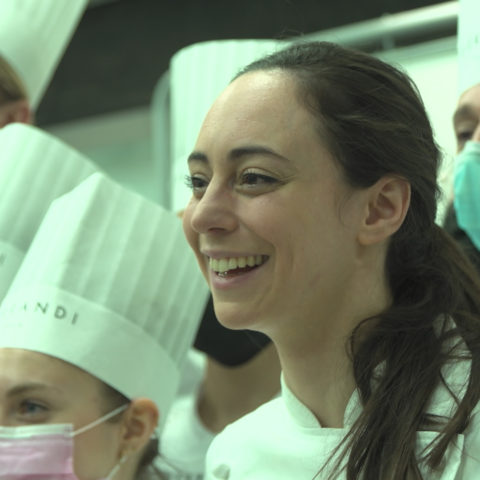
x=388, y=202
x=139, y=423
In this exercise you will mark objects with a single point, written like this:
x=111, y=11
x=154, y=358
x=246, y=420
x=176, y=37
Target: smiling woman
x=461, y=220
x=319, y=163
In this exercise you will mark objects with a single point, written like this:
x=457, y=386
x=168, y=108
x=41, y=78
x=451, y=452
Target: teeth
x=213, y=264
x=223, y=265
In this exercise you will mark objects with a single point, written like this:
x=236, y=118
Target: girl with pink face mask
x=93, y=334
x=63, y=422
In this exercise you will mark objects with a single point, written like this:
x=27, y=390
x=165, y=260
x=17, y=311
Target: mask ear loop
x=117, y=467
x=100, y=420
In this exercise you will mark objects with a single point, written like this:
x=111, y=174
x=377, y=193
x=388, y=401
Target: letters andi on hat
x=110, y=285
x=35, y=168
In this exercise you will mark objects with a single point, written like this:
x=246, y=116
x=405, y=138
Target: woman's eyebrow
x=248, y=150
x=29, y=386
x=197, y=157
x=238, y=153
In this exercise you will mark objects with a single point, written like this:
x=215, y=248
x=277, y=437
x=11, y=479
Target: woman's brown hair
x=11, y=87
x=373, y=120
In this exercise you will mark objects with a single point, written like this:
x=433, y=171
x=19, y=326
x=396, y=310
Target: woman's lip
x=220, y=282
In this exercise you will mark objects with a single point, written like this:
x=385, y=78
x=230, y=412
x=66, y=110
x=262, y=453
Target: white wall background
x=434, y=68
x=120, y=144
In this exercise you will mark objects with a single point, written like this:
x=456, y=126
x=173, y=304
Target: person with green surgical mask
x=463, y=216
x=463, y=220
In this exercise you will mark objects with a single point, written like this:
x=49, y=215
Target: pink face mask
x=43, y=452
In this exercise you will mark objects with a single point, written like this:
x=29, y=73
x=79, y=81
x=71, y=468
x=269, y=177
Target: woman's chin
x=233, y=316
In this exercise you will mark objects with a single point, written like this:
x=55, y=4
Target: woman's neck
x=322, y=379
x=315, y=353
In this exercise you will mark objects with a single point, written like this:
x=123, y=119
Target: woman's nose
x=214, y=212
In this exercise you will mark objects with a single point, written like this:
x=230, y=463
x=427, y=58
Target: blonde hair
x=11, y=86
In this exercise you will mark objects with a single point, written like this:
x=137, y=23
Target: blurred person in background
x=33, y=37
x=462, y=220
x=229, y=374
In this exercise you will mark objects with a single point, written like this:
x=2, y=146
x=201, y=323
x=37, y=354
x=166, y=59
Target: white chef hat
x=33, y=37
x=468, y=44
x=110, y=285
x=35, y=168
x=192, y=95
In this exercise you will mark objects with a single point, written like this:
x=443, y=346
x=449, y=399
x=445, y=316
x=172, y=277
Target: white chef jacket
x=283, y=439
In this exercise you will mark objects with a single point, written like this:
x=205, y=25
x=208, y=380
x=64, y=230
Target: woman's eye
x=28, y=409
x=196, y=183
x=464, y=136
x=252, y=178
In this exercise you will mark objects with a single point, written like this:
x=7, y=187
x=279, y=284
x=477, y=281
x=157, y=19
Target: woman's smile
x=234, y=272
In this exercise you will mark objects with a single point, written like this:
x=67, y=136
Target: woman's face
x=271, y=220
x=39, y=389
x=466, y=120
